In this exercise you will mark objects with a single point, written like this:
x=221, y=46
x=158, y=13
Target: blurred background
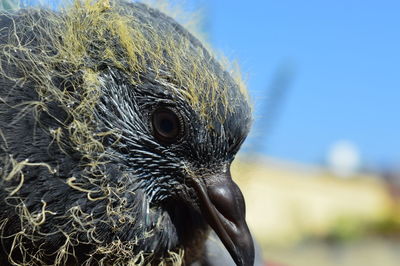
x=321, y=168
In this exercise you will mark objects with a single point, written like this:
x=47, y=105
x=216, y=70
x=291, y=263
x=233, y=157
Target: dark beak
x=222, y=205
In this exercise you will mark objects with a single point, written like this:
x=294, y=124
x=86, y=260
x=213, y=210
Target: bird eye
x=167, y=125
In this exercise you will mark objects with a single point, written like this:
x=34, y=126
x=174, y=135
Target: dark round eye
x=167, y=125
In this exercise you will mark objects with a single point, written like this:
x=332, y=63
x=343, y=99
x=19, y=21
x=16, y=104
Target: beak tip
x=245, y=251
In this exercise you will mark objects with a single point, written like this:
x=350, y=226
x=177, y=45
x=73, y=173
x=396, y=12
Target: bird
x=117, y=131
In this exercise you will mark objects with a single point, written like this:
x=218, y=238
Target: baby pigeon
x=117, y=132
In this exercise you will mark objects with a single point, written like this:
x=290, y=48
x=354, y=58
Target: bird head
x=154, y=120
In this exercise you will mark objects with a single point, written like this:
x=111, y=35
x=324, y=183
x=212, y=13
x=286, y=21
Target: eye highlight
x=167, y=125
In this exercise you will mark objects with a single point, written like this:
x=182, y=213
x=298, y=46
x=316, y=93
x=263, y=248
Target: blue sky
x=345, y=60
x=344, y=57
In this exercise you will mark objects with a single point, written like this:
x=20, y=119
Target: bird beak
x=222, y=205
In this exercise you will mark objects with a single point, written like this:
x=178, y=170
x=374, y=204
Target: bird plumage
x=92, y=169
